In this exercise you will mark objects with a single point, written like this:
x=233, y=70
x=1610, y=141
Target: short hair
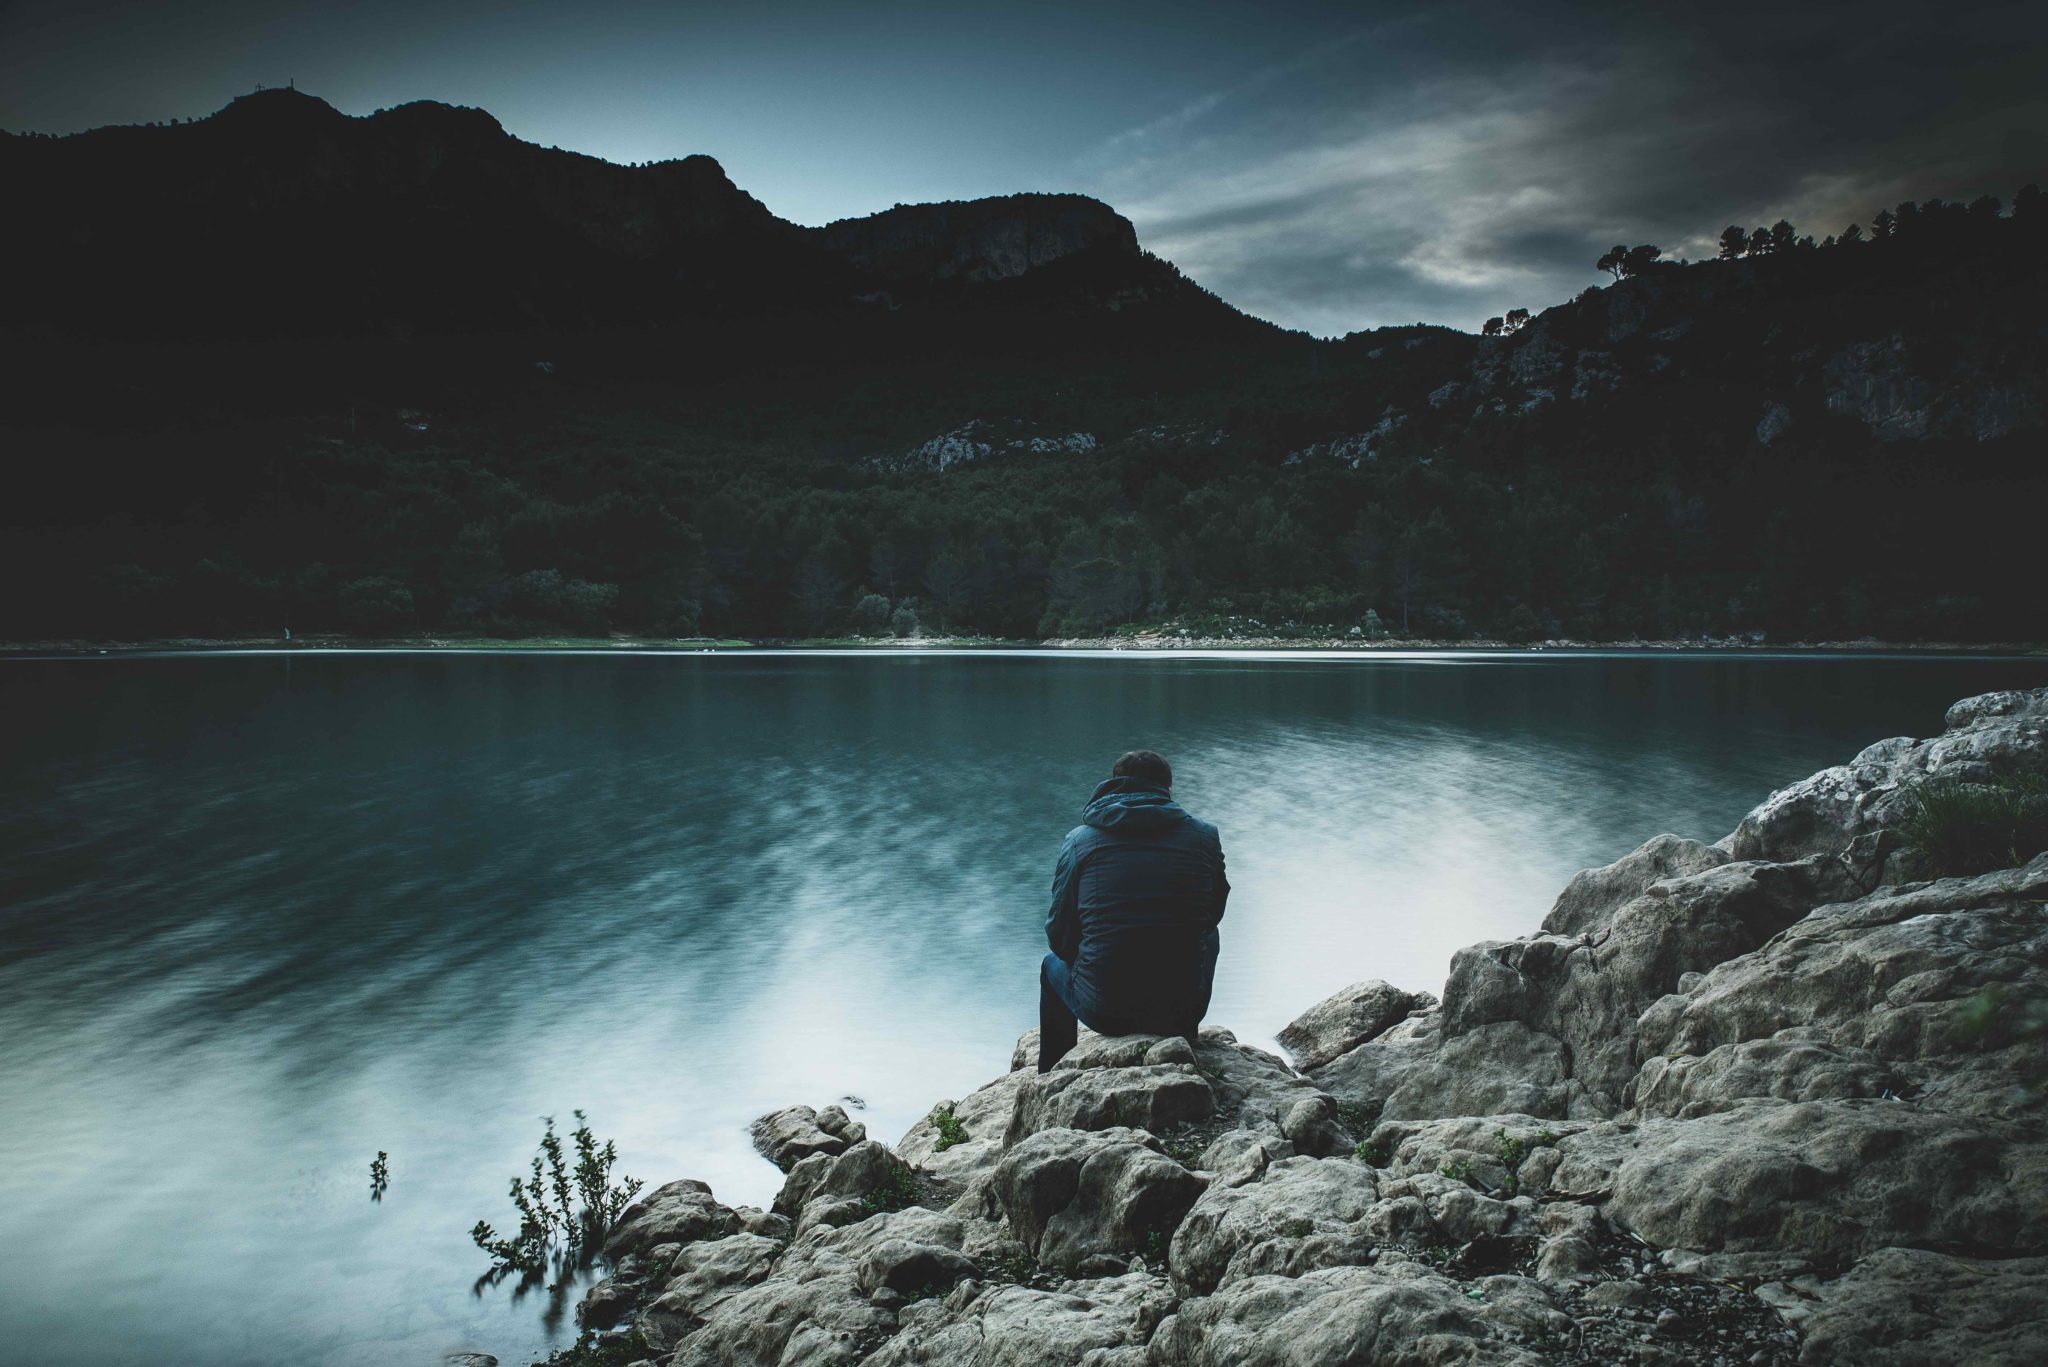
x=1147, y=766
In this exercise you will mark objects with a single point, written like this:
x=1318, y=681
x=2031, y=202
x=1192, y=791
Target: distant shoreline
x=1133, y=644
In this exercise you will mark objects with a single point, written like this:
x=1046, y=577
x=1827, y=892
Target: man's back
x=1137, y=895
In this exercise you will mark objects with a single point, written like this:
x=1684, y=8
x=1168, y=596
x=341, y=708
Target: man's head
x=1147, y=767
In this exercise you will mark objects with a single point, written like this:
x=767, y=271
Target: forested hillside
x=1000, y=418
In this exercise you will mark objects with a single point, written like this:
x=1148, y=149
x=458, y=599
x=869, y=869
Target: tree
x=1851, y=235
x=1639, y=259
x=1883, y=224
x=376, y=604
x=1734, y=242
x=1783, y=236
x=1492, y=328
x=871, y=611
x=1515, y=321
x=1760, y=242
x=1613, y=260
x=2026, y=205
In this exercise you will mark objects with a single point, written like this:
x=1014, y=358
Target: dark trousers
x=1062, y=1011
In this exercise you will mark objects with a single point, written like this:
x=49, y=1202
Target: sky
x=1328, y=166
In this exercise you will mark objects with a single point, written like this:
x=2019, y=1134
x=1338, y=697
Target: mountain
x=279, y=215
x=282, y=367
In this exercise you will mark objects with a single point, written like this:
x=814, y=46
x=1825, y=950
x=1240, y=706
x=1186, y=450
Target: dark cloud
x=1481, y=158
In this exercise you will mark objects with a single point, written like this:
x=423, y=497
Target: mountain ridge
x=428, y=215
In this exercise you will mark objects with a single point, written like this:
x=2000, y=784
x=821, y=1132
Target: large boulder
x=1984, y=736
x=1923, y=990
x=1594, y=895
x=1303, y=1214
x=813, y=1309
x=678, y=1213
x=1341, y=1022
x=703, y=1277
x=1072, y=1194
x=792, y=1134
x=1833, y=1179
x=838, y=1189
x=1153, y=1097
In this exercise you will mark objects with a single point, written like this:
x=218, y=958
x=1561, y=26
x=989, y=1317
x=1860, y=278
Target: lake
x=263, y=916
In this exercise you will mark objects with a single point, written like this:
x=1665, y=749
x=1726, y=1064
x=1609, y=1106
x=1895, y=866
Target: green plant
x=590, y=1350
x=586, y=1203
x=951, y=1131
x=380, y=1175
x=1512, y=1149
x=898, y=1189
x=1154, y=1247
x=1377, y=1152
x=1356, y=1116
x=1971, y=828
x=1457, y=1169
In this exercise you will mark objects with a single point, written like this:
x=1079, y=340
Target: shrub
x=1971, y=828
x=376, y=604
x=951, y=1131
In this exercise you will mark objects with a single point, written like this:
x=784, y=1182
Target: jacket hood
x=1130, y=806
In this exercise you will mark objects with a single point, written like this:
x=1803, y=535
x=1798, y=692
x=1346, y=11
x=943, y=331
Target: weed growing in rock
x=898, y=1190
x=1972, y=828
x=593, y=1350
x=380, y=1175
x=1377, y=1152
x=951, y=1131
x=1356, y=1116
x=584, y=1207
x=1458, y=1170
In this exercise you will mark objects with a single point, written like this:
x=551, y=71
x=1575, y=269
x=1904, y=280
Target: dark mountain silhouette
x=281, y=215
x=283, y=367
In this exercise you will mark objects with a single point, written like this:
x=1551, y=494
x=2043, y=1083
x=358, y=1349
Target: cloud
x=1449, y=170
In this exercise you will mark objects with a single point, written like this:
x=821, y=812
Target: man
x=1136, y=897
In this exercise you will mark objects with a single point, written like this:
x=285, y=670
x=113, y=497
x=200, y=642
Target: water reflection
x=265, y=917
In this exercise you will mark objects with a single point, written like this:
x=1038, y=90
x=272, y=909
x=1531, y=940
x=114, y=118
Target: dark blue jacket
x=1136, y=898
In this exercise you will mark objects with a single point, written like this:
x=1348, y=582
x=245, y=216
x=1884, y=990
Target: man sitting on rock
x=1136, y=898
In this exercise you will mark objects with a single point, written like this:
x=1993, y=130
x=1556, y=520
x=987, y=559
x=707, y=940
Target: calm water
x=261, y=917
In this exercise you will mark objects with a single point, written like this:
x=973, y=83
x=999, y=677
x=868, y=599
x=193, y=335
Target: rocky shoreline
x=1777, y=1099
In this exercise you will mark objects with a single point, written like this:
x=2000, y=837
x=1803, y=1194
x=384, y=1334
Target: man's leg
x=1057, y=1027
x=1205, y=982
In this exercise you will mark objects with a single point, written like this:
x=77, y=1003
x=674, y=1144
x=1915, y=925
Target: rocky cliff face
x=1775, y=1099
x=919, y=245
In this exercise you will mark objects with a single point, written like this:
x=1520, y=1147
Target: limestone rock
x=792, y=1134
x=1069, y=1194
x=1833, y=1179
x=811, y=1309
x=1304, y=1213
x=1101, y=1323
x=1898, y=980
x=865, y=1171
x=679, y=1213
x=1795, y=1064
x=1908, y=1307
x=1347, y=1019
x=984, y=1115
x=1985, y=735
x=704, y=1276
x=1335, y=1317
x=1154, y=1098
x=1593, y=896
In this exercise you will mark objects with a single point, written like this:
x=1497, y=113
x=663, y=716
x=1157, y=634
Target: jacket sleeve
x=1222, y=883
x=1063, y=921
